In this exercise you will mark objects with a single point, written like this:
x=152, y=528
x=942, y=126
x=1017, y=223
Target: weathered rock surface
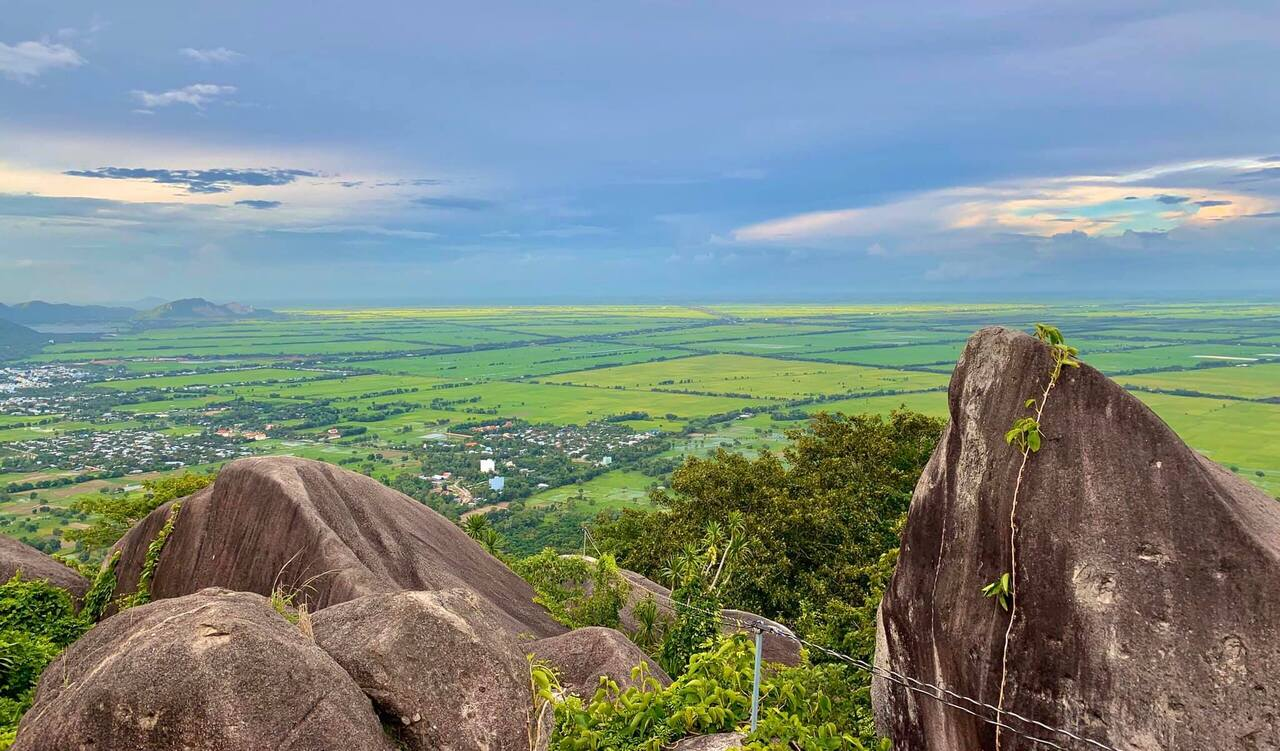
x=437, y=666
x=15, y=557
x=717, y=742
x=331, y=534
x=213, y=671
x=1147, y=577
x=583, y=655
x=777, y=648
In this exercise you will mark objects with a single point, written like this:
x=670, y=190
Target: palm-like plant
x=475, y=525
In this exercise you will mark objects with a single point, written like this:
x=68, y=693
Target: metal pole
x=755, y=682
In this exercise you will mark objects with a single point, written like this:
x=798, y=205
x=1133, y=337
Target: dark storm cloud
x=199, y=181
x=1207, y=204
x=1172, y=200
x=259, y=204
x=454, y=202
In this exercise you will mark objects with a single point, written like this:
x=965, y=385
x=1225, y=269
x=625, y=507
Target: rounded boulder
x=437, y=665
x=211, y=671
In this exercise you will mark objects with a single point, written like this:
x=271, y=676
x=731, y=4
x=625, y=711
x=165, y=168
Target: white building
x=488, y=466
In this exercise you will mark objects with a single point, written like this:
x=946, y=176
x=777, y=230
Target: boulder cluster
x=296, y=605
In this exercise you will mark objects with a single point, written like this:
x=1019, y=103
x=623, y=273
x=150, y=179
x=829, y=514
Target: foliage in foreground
x=820, y=526
x=817, y=519
x=577, y=592
x=37, y=621
x=807, y=707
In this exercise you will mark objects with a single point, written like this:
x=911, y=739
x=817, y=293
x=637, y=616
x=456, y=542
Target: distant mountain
x=146, y=303
x=41, y=312
x=200, y=309
x=19, y=341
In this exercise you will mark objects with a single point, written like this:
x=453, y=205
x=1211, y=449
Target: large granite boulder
x=437, y=666
x=15, y=557
x=324, y=533
x=717, y=742
x=584, y=655
x=212, y=671
x=1147, y=578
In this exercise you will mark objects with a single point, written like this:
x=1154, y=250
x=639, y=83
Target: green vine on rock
x=98, y=597
x=1026, y=435
x=142, y=595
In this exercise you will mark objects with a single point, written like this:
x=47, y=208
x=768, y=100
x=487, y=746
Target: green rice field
x=347, y=385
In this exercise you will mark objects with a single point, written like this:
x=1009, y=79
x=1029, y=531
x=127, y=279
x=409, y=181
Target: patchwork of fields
x=358, y=383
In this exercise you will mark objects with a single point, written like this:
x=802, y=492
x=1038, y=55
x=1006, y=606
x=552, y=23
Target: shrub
x=576, y=591
x=40, y=609
x=802, y=707
x=98, y=597
x=23, y=657
x=37, y=620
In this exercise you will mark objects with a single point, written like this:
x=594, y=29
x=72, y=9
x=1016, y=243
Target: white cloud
x=215, y=55
x=24, y=61
x=364, y=229
x=1158, y=199
x=576, y=230
x=197, y=95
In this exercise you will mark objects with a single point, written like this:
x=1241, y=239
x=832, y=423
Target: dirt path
x=486, y=509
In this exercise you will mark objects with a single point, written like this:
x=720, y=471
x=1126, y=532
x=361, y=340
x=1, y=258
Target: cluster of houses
x=594, y=442
x=248, y=435
x=39, y=377
x=24, y=392
x=127, y=451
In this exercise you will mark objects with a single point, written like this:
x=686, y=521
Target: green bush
x=112, y=515
x=694, y=624
x=98, y=597
x=577, y=592
x=802, y=707
x=37, y=620
x=23, y=656
x=40, y=609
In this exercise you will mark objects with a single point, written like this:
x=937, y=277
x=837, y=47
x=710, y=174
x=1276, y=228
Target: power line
x=914, y=685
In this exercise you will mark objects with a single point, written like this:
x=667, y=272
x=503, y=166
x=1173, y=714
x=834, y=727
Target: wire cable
x=924, y=688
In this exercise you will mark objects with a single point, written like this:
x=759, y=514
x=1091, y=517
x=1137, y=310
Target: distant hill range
x=19, y=341
x=40, y=313
x=199, y=309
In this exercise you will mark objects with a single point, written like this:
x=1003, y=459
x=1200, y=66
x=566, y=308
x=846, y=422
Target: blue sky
x=414, y=152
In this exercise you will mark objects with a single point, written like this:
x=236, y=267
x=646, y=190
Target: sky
x=430, y=153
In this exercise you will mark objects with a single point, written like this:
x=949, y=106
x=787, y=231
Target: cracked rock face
x=437, y=666
x=1147, y=588
x=212, y=671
